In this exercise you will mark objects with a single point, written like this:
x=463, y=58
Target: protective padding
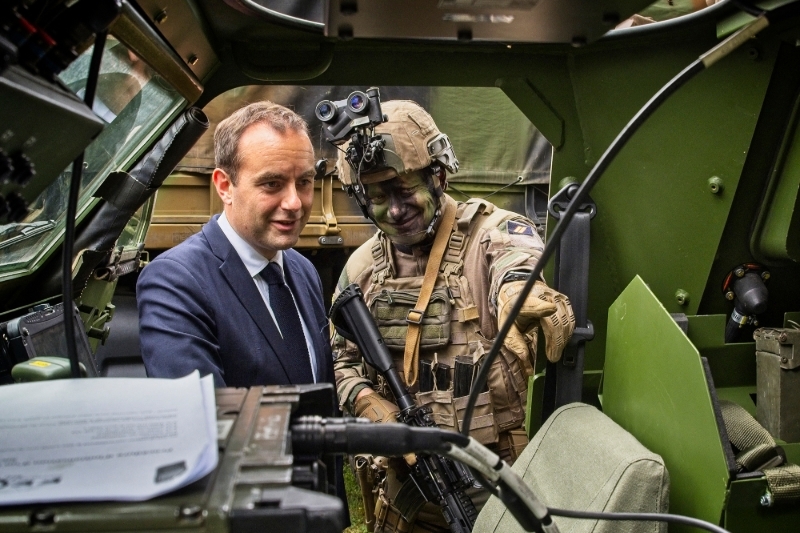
x=580, y=459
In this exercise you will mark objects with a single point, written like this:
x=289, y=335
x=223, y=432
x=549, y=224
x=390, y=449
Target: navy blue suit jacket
x=200, y=309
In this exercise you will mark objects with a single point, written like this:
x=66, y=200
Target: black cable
x=639, y=517
x=72, y=213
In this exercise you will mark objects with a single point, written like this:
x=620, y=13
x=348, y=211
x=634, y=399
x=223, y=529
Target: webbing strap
x=784, y=482
x=758, y=450
x=414, y=317
x=754, y=442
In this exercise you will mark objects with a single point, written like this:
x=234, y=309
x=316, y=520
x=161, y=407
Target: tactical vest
x=450, y=329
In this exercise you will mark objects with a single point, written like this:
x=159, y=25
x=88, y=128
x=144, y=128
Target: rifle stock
x=439, y=479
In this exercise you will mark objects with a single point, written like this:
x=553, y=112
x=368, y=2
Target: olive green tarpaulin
x=493, y=140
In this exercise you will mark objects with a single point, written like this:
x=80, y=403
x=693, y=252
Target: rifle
x=439, y=479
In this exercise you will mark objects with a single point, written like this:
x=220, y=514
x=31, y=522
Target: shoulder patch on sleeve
x=516, y=228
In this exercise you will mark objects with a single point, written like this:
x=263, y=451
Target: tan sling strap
x=414, y=317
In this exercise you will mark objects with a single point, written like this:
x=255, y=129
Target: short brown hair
x=230, y=130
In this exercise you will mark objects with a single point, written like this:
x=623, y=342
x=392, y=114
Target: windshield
x=135, y=103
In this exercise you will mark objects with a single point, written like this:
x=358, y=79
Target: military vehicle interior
x=682, y=262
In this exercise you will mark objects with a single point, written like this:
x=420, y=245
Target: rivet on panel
x=161, y=17
x=715, y=185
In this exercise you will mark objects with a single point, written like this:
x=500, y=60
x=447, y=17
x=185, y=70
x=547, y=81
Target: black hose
x=72, y=213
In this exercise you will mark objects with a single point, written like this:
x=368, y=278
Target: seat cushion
x=581, y=459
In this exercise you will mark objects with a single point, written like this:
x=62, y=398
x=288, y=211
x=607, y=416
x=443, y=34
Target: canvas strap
x=414, y=317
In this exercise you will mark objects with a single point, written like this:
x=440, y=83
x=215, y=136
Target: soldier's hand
x=544, y=307
x=376, y=408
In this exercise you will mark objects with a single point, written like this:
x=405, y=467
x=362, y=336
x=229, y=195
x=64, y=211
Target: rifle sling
x=414, y=318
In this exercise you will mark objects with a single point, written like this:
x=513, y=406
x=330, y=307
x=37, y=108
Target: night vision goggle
x=355, y=117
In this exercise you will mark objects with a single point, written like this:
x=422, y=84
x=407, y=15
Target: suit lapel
x=244, y=288
x=304, y=300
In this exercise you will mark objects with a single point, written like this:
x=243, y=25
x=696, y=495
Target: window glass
x=135, y=103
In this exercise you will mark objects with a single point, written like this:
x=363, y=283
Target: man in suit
x=218, y=302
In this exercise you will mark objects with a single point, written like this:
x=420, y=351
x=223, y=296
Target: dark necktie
x=285, y=311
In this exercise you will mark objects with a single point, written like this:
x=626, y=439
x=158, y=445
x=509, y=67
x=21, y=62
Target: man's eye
x=305, y=182
x=273, y=185
x=377, y=199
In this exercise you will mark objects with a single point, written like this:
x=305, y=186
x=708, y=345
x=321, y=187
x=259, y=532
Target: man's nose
x=396, y=208
x=291, y=200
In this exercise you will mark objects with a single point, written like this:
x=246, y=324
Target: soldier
x=483, y=255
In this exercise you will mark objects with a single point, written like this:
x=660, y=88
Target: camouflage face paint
x=402, y=206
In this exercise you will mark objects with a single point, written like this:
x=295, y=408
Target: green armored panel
x=655, y=388
x=658, y=215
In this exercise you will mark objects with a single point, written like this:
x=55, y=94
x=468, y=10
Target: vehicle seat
x=581, y=459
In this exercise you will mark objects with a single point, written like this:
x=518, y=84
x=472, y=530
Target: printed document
x=105, y=438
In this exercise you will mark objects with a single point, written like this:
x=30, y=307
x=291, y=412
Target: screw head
x=161, y=17
x=766, y=500
x=739, y=272
x=765, y=275
x=715, y=185
x=782, y=337
x=191, y=511
x=193, y=59
x=682, y=297
x=729, y=295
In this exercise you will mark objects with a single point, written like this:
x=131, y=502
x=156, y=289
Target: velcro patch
x=515, y=228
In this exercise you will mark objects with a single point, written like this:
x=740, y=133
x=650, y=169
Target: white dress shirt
x=254, y=262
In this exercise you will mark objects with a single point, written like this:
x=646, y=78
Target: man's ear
x=222, y=181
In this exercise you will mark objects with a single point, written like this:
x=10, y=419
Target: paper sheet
x=105, y=438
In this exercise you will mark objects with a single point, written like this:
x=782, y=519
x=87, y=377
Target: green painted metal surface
x=657, y=217
x=732, y=365
x=777, y=232
x=744, y=514
x=654, y=386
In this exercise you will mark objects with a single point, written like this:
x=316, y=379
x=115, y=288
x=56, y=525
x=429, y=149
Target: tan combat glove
x=544, y=307
x=380, y=410
x=376, y=408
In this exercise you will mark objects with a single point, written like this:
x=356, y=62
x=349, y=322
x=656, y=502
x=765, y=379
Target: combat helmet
x=410, y=141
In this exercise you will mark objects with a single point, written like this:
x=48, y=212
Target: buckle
x=414, y=316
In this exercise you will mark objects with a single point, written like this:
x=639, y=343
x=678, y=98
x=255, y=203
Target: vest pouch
x=483, y=427
x=390, y=309
x=508, y=389
x=440, y=403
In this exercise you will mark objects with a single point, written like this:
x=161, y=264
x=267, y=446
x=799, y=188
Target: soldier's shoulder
x=506, y=221
x=360, y=260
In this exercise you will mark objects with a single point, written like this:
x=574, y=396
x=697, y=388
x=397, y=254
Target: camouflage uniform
x=460, y=322
x=485, y=245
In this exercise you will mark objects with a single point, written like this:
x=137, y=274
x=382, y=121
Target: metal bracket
x=331, y=241
x=782, y=342
x=562, y=198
